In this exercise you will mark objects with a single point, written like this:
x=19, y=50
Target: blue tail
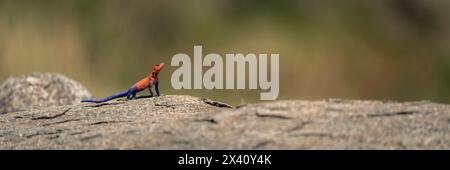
x=117, y=95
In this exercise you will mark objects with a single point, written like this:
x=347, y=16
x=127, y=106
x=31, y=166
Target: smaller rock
x=39, y=90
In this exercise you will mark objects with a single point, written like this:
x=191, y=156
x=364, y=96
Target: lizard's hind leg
x=150, y=90
x=131, y=94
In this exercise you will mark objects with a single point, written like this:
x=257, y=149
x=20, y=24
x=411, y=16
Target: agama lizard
x=147, y=82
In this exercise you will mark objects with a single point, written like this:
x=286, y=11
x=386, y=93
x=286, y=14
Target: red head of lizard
x=156, y=69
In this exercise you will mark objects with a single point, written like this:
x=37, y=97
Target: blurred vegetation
x=386, y=49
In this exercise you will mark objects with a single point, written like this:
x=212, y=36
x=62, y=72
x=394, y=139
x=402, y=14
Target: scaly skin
x=147, y=82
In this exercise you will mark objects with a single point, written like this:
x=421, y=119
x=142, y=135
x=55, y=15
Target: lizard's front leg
x=157, y=88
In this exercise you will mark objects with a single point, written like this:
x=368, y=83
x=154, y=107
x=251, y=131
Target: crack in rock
x=53, y=137
x=215, y=103
x=272, y=116
x=392, y=114
x=91, y=137
x=18, y=117
x=298, y=127
x=209, y=120
x=167, y=132
x=166, y=104
x=45, y=133
x=51, y=117
x=78, y=133
x=241, y=106
x=106, y=122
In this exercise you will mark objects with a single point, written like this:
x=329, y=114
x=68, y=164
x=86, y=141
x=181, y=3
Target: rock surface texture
x=39, y=90
x=185, y=122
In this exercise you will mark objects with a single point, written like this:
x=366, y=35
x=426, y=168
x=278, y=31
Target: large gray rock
x=39, y=90
x=185, y=122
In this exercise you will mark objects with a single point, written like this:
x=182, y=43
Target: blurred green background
x=357, y=49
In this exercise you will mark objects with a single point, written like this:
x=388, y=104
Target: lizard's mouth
x=160, y=66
